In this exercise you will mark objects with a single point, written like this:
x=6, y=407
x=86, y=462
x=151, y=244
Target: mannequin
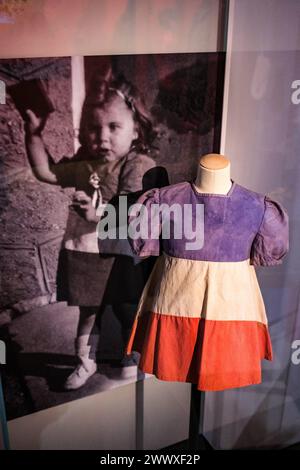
x=213, y=174
x=194, y=322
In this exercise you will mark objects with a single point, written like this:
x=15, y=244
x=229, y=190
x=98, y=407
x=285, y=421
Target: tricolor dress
x=201, y=317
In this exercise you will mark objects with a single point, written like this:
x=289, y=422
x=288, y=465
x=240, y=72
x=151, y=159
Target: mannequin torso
x=213, y=174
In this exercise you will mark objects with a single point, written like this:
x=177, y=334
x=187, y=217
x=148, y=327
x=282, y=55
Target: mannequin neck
x=213, y=181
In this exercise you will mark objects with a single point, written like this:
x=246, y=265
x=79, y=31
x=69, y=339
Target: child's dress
x=83, y=273
x=201, y=317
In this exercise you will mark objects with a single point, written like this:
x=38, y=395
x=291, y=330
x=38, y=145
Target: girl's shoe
x=80, y=375
x=87, y=363
x=129, y=366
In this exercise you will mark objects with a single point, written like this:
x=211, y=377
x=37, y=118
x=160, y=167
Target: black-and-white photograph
x=76, y=133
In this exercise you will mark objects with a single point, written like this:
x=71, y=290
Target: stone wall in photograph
x=32, y=214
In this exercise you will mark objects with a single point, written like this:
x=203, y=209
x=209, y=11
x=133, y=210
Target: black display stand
x=139, y=416
x=197, y=441
x=3, y=420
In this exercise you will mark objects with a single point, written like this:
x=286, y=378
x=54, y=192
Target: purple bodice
x=240, y=225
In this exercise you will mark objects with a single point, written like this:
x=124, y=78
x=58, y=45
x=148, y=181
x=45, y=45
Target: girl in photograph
x=115, y=136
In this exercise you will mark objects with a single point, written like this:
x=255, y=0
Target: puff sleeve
x=271, y=242
x=144, y=224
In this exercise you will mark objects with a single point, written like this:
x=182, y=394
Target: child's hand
x=83, y=204
x=34, y=124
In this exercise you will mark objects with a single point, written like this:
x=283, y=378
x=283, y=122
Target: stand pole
x=139, y=408
x=197, y=441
